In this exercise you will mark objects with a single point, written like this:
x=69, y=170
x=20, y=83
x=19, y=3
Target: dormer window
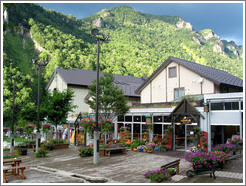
x=172, y=72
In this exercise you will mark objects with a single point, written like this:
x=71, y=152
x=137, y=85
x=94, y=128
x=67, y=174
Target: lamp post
x=40, y=65
x=95, y=33
x=13, y=112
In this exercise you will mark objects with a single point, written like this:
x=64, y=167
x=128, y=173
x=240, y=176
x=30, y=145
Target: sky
x=225, y=19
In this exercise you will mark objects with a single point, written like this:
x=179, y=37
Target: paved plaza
x=66, y=166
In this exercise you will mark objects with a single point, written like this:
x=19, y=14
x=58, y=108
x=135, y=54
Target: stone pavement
x=66, y=166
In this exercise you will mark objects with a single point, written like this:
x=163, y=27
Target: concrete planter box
x=62, y=146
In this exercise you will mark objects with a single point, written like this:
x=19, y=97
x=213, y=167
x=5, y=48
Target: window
x=157, y=118
x=128, y=118
x=121, y=118
x=178, y=92
x=143, y=119
x=217, y=106
x=167, y=119
x=172, y=72
x=231, y=105
x=136, y=118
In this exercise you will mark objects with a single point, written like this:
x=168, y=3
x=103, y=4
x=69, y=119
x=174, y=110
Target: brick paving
x=66, y=166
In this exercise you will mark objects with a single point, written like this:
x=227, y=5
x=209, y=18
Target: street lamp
x=95, y=33
x=13, y=112
x=40, y=65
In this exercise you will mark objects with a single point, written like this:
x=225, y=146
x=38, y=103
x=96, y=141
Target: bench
x=7, y=169
x=107, y=151
x=172, y=164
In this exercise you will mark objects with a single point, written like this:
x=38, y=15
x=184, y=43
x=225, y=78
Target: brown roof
x=82, y=77
x=214, y=75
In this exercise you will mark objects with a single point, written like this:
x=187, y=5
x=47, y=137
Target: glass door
x=189, y=136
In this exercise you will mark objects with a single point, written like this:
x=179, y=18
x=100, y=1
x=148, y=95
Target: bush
x=86, y=152
x=9, y=156
x=171, y=170
x=48, y=146
x=137, y=143
x=27, y=142
x=167, y=136
x=6, y=149
x=58, y=141
x=158, y=176
x=41, y=153
x=164, y=148
x=164, y=142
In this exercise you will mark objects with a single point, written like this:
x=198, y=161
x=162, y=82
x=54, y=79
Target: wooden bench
x=172, y=164
x=13, y=169
x=107, y=151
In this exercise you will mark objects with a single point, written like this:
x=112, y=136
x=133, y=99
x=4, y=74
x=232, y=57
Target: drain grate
x=90, y=179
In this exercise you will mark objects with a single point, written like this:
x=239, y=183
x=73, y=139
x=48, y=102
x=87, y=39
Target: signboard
x=185, y=120
x=148, y=119
x=70, y=134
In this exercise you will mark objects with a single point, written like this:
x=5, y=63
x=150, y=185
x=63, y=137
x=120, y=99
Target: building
x=175, y=79
x=79, y=80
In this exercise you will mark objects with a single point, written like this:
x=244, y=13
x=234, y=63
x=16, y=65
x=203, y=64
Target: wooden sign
x=148, y=120
x=185, y=120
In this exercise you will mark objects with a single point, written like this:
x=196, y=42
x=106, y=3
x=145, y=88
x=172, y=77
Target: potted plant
x=22, y=149
x=83, y=152
x=29, y=129
x=158, y=176
x=171, y=171
x=149, y=149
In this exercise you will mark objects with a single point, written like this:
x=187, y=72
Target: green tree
x=111, y=100
x=57, y=106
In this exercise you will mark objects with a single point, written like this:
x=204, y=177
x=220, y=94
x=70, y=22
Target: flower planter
x=86, y=155
x=23, y=152
x=62, y=146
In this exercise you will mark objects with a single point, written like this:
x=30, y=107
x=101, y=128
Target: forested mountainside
x=138, y=44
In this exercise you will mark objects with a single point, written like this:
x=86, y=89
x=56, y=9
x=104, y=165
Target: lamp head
x=94, y=31
x=200, y=80
x=34, y=61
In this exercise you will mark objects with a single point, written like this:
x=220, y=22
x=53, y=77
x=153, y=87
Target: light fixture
x=200, y=80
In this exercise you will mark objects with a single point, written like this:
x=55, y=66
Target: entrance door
x=189, y=136
x=180, y=136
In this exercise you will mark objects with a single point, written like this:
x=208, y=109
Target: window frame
x=178, y=89
x=169, y=75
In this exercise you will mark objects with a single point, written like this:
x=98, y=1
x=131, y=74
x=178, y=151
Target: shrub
x=86, y=152
x=164, y=148
x=170, y=128
x=137, y=143
x=197, y=130
x=158, y=176
x=171, y=170
x=57, y=141
x=9, y=156
x=164, y=142
x=27, y=142
x=6, y=149
x=48, y=146
x=41, y=153
x=167, y=136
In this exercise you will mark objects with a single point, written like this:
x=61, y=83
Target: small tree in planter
x=106, y=126
x=88, y=125
x=29, y=129
x=45, y=128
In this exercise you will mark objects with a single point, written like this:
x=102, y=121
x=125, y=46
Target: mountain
x=138, y=43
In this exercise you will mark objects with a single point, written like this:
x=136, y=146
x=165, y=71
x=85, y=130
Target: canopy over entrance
x=184, y=113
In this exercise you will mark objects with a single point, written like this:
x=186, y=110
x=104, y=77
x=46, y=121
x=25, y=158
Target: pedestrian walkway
x=66, y=166
x=229, y=175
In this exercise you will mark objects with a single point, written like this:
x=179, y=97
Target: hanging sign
x=185, y=120
x=148, y=119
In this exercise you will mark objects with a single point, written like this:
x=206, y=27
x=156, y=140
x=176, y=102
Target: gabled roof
x=82, y=77
x=185, y=108
x=216, y=76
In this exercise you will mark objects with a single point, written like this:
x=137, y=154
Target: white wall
x=161, y=88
